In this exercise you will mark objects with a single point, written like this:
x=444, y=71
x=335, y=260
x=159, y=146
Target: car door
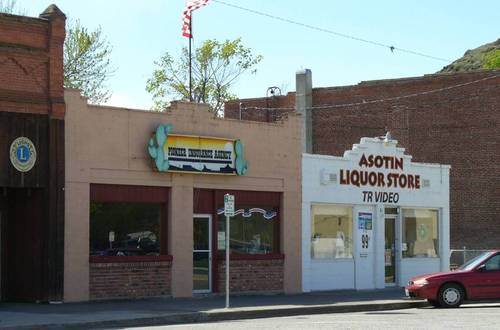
x=485, y=281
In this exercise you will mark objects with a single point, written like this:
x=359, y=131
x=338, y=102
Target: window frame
x=353, y=233
x=403, y=226
x=112, y=193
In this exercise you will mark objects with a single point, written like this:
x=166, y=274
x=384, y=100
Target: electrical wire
x=395, y=98
x=392, y=48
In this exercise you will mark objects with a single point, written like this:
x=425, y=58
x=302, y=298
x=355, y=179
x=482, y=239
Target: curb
x=202, y=317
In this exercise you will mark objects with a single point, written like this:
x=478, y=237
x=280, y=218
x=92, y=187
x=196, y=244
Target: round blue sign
x=22, y=154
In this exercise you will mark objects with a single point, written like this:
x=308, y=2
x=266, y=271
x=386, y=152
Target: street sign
x=228, y=212
x=229, y=205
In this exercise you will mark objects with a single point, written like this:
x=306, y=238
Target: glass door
x=202, y=253
x=390, y=251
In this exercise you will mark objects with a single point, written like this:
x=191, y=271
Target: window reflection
x=252, y=234
x=420, y=233
x=331, y=232
x=124, y=229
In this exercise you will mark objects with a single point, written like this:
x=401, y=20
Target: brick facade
x=137, y=279
x=31, y=63
x=252, y=276
x=457, y=126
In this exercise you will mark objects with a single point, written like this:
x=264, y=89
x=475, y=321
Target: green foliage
x=9, y=7
x=87, y=64
x=215, y=67
x=484, y=57
x=491, y=60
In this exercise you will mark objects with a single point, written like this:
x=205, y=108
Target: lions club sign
x=22, y=154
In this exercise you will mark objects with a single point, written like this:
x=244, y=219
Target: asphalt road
x=477, y=316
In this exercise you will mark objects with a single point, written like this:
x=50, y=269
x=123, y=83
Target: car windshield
x=471, y=264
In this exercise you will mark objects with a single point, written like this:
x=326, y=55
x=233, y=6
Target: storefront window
x=331, y=232
x=420, y=233
x=251, y=232
x=124, y=229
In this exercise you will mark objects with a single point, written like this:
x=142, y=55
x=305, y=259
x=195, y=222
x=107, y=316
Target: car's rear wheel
x=434, y=303
x=451, y=295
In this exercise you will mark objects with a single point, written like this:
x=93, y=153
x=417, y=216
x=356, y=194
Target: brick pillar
x=56, y=110
x=55, y=47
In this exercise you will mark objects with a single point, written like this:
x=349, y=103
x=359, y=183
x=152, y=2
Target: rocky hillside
x=481, y=58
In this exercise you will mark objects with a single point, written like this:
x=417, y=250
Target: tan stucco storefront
x=107, y=164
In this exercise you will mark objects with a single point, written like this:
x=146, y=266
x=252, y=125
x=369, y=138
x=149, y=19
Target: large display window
x=331, y=232
x=253, y=231
x=124, y=229
x=420, y=233
x=127, y=221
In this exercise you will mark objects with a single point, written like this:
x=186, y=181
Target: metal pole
x=190, y=38
x=227, y=261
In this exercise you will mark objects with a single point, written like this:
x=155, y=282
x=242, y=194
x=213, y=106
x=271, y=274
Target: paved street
x=477, y=316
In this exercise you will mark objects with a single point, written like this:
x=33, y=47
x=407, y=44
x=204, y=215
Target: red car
x=478, y=279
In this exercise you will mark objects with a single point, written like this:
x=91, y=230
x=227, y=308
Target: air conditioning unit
x=327, y=177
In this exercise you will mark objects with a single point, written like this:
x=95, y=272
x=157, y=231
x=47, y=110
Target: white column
x=379, y=235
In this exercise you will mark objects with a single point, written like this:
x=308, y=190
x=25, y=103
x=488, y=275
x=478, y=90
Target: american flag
x=191, y=5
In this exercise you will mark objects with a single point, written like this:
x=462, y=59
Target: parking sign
x=228, y=205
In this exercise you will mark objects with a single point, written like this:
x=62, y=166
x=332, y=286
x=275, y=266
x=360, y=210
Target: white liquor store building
x=372, y=218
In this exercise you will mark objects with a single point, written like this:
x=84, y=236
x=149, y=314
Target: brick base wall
x=252, y=275
x=124, y=280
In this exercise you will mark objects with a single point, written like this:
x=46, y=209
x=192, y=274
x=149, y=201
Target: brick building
x=89, y=210
x=32, y=112
x=441, y=118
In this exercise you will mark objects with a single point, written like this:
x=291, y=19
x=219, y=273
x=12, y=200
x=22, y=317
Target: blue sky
x=140, y=31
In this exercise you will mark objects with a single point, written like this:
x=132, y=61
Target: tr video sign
x=195, y=154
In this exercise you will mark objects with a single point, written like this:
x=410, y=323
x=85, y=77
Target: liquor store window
x=253, y=231
x=124, y=222
x=420, y=233
x=331, y=231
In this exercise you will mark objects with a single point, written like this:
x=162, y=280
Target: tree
x=9, y=7
x=87, y=64
x=491, y=60
x=215, y=67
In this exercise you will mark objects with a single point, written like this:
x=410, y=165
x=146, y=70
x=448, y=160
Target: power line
x=392, y=48
x=395, y=98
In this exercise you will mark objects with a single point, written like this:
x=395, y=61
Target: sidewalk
x=162, y=311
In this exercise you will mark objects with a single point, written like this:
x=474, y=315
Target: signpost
x=228, y=212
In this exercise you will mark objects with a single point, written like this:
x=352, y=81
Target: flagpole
x=190, y=38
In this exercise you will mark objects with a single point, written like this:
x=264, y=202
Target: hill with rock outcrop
x=485, y=57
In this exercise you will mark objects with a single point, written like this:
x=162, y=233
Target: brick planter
x=122, y=279
x=252, y=275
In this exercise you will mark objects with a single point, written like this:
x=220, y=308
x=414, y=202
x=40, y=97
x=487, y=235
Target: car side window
x=493, y=264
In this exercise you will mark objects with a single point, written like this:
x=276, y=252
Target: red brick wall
x=458, y=126
x=31, y=64
x=270, y=113
x=252, y=275
x=125, y=280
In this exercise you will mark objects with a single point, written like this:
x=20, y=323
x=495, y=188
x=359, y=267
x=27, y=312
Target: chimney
x=303, y=104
